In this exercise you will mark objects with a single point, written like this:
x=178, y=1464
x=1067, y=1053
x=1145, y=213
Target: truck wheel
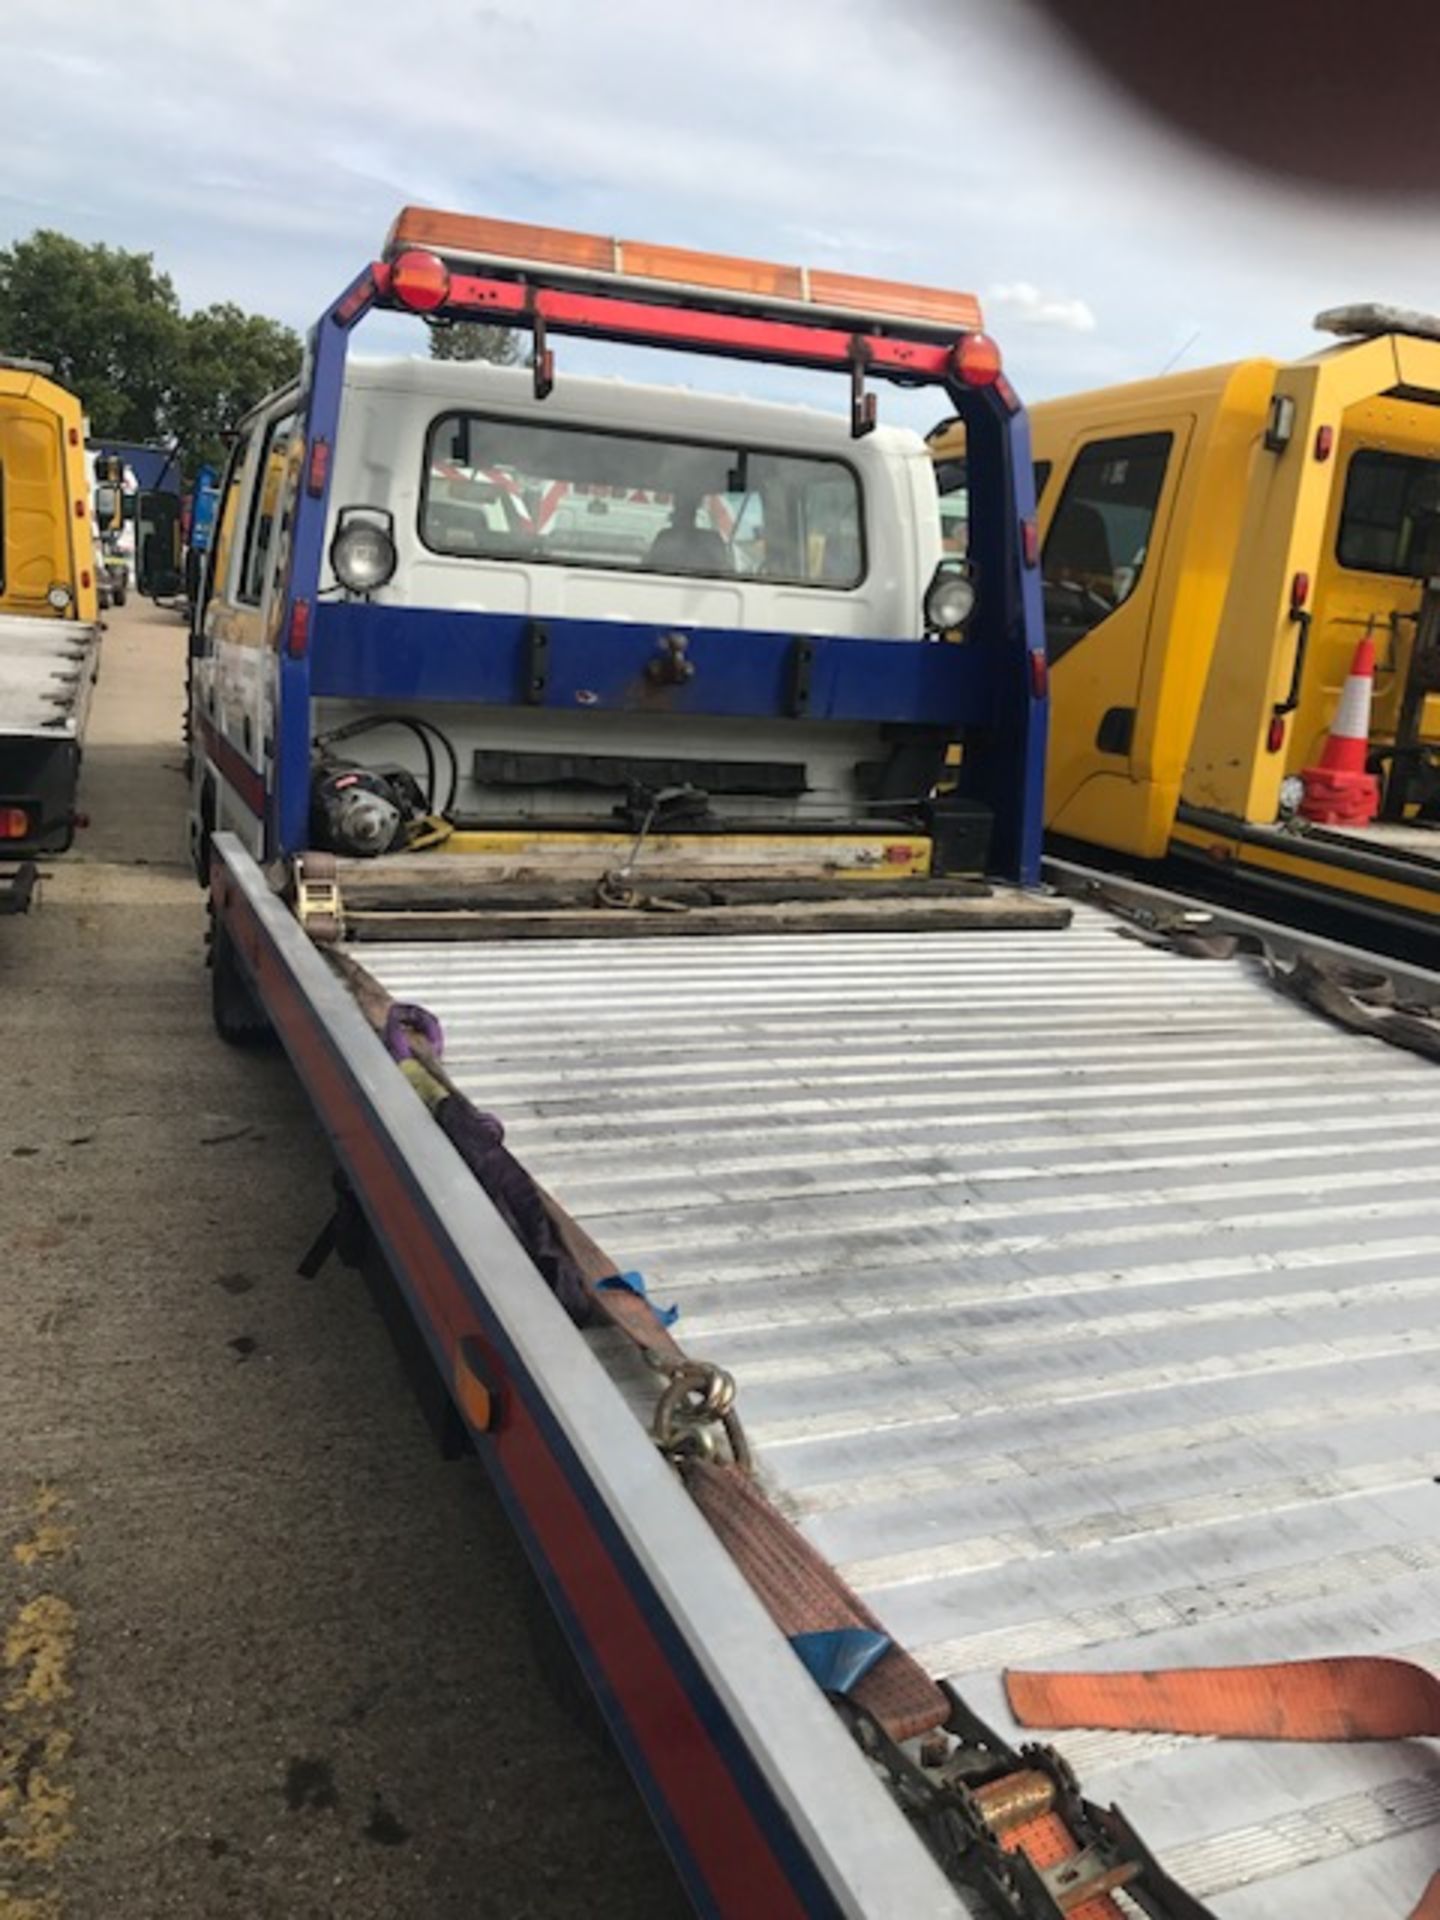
x=239, y=1018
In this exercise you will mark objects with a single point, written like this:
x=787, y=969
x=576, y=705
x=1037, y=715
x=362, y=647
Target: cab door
x=1105, y=521
x=239, y=617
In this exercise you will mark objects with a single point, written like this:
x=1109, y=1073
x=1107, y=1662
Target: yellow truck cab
x=49, y=626
x=1214, y=544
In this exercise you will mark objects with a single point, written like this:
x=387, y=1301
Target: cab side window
x=264, y=527
x=1389, y=498
x=1096, y=547
x=222, y=543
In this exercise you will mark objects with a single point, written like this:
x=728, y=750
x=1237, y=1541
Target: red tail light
x=297, y=638
x=1324, y=441
x=1299, y=591
x=420, y=281
x=319, y=470
x=1039, y=674
x=977, y=360
x=1275, y=738
x=14, y=823
x=1030, y=543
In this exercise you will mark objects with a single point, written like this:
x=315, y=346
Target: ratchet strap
x=804, y=1595
x=1364, y=1002
x=580, y=1273
x=1361, y=999
x=1346, y=1699
x=1351, y=1698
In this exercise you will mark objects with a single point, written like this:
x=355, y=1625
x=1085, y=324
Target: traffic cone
x=1339, y=792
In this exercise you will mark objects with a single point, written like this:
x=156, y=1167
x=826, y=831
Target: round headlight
x=363, y=556
x=1292, y=792
x=59, y=596
x=950, y=600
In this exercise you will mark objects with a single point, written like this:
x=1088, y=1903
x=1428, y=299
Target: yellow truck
x=49, y=620
x=1214, y=545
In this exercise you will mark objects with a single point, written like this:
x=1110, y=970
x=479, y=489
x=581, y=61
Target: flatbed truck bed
x=1080, y=1299
x=47, y=674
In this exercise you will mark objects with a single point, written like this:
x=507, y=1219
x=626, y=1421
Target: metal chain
x=695, y=1409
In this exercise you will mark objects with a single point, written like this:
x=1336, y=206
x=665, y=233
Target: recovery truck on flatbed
x=571, y=782
x=49, y=621
x=1214, y=545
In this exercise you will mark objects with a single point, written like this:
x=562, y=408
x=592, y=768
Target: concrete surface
x=262, y=1652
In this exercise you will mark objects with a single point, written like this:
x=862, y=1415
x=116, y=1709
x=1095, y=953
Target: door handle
x=1301, y=617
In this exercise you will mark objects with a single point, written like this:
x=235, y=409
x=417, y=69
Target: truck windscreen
x=570, y=496
x=1387, y=497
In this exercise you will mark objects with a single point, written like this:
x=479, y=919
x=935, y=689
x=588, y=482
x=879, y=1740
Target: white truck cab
x=455, y=489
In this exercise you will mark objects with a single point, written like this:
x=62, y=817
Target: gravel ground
x=262, y=1652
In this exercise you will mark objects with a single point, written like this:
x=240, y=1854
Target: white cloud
x=1027, y=303
x=946, y=141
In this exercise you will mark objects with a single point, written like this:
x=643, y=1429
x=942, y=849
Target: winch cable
x=615, y=887
x=1010, y=1826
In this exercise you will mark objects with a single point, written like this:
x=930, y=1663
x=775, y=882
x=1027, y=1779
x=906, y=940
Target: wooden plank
x=999, y=910
x=576, y=857
x=439, y=894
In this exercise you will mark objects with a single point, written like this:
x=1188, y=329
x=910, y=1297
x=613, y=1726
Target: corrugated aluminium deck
x=1083, y=1304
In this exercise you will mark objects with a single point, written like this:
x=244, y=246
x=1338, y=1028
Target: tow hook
x=671, y=665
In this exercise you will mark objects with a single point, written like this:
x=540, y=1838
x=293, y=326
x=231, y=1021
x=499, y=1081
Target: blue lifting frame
x=991, y=691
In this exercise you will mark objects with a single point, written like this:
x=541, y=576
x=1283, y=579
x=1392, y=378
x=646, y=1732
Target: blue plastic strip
x=635, y=1283
x=839, y=1658
x=371, y=651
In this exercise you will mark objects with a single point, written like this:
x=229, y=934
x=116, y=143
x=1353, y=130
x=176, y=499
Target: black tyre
x=239, y=1018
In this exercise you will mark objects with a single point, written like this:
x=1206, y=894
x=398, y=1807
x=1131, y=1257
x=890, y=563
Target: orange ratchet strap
x=1351, y=1698
x=1344, y=1699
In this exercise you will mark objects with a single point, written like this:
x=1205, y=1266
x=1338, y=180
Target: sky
x=260, y=150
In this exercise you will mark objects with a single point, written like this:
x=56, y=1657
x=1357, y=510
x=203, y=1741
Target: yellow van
x=49, y=619
x=1214, y=544
x=47, y=559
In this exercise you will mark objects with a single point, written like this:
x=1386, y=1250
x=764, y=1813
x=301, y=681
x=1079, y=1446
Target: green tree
x=473, y=340
x=227, y=361
x=112, y=328
x=104, y=318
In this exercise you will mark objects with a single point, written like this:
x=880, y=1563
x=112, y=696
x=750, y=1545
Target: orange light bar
x=680, y=267
x=851, y=292
x=466, y=233
x=512, y=246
